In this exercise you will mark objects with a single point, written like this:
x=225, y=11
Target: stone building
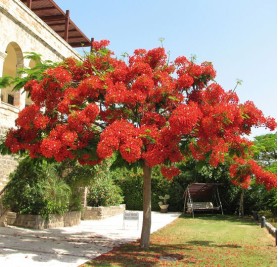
x=30, y=26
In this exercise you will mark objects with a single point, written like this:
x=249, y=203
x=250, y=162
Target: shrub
x=131, y=183
x=103, y=192
x=267, y=214
x=132, y=188
x=35, y=188
x=77, y=177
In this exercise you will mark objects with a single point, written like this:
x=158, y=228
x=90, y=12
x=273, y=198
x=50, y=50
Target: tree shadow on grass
x=133, y=255
x=211, y=244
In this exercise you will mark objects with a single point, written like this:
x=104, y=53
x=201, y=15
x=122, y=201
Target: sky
x=239, y=37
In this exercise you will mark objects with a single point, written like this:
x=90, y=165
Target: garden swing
x=202, y=197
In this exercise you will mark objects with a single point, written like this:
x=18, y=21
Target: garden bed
x=38, y=222
x=98, y=213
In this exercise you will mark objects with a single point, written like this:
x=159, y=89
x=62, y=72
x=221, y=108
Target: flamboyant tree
x=143, y=109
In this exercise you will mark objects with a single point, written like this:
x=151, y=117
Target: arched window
x=12, y=63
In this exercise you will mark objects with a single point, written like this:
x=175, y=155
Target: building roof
x=59, y=21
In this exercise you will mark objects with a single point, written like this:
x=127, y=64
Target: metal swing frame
x=199, y=189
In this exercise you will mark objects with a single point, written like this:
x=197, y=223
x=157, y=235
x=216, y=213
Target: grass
x=214, y=240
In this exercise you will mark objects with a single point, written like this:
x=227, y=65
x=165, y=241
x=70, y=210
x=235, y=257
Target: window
x=11, y=99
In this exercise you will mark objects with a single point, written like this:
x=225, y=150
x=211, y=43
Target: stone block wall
x=55, y=221
x=72, y=218
x=98, y=213
x=7, y=163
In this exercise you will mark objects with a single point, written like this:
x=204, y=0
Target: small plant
x=164, y=199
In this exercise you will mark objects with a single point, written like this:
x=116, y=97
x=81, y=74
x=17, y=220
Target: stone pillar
x=2, y=59
x=22, y=99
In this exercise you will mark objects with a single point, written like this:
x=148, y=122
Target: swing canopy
x=202, y=197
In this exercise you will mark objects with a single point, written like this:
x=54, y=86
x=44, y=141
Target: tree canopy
x=265, y=151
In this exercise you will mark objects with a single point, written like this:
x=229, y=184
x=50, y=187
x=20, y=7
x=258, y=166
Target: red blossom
x=50, y=147
x=184, y=118
x=170, y=172
x=97, y=45
x=41, y=121
x=185, y=81
x=59, y=75
x=131, y=150
x=152, y=118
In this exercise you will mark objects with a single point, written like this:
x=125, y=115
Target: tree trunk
x=146, y=227
x=241, y=203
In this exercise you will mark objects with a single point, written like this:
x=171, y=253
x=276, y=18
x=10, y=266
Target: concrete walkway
x=71, y=246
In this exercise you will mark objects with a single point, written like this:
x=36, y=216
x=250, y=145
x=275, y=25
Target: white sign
x=132, y=216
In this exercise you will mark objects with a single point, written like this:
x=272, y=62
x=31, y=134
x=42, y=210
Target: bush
x=270, y=217
x=131, y=183
x=132, y=188
x=77, y=177
x=102, y=189
x=103, y=192
x=35, y=188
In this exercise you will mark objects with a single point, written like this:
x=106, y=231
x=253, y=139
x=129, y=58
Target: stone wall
x=55, y=221
x=8, y=163
x=98, y=213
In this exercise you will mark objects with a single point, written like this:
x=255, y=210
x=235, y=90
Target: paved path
x=71, y=246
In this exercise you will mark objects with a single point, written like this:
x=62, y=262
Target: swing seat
x=201, y=206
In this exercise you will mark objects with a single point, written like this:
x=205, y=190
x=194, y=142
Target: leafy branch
x=27, y=74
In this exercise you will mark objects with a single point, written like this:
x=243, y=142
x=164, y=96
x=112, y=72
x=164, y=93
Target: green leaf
x=5, y=81
x=173, y=98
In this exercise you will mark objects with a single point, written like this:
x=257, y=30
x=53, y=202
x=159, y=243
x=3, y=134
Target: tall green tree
x=265, y=151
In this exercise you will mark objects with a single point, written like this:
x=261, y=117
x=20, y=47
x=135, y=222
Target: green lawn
x=214, y=240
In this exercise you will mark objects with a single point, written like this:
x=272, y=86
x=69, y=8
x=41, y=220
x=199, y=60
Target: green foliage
x=35, y=188
x=160, y=187
x=268, y=214
x=102, y=189
x=103, y=192
x=131, y=185
x=258, y=198
x=24, y=193
x=77, y=177
x=265, y=151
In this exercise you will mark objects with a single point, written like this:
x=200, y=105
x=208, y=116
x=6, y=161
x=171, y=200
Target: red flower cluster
x=123, y=136
x=262, y=176
x=170, y=172
x=31, y=118
x=184, y=118
x=98, y=45
x=242, y=170
x=240, y=173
